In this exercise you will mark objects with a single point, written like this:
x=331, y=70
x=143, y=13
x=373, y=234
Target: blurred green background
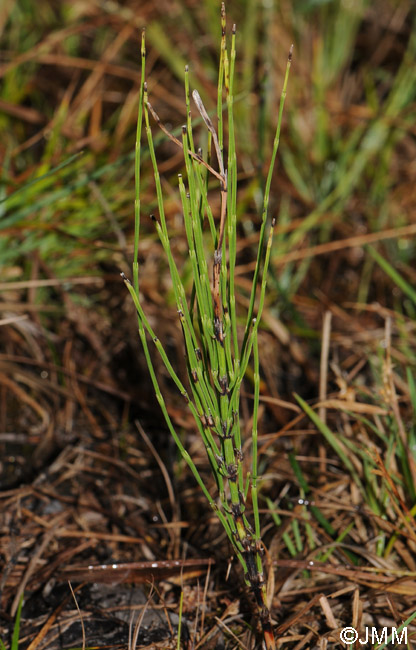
x=70, y=74
x=343, y=192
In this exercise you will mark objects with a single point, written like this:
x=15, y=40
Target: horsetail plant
x=216, y=362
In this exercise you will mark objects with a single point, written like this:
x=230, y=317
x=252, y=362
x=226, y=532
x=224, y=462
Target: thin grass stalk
x=188, y=110
x=232, y=204
x=266, y=200
x=215, y=364
x=137, y=169
x=178, y=643
x=223, y=53
x=254, y=459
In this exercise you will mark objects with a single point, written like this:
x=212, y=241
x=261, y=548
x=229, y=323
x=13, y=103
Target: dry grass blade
x=51, y=620
x=137, y=572
x=370, y=577
x=328, y=613
x=323, y=375
x=80, y=616
x=48, y=536
x=161, y=464
x=349, y=242
x=133, y=639
x=178, y=143
x=298, y=615
x=71, y=381
x=201, y=108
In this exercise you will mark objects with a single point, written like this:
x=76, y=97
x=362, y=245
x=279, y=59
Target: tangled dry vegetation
x=88, y=473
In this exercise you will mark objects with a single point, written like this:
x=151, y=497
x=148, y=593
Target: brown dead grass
x=82, y=484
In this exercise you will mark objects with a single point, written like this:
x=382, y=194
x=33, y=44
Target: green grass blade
x=316, y=512
x=398, y=631
x=393, y=274
x=39, y=179
x=331, y=439
x=16, y=628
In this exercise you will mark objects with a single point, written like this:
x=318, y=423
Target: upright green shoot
x=216, y=362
